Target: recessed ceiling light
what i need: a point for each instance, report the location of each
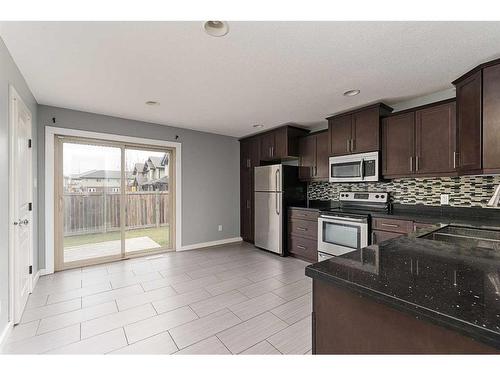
(352, 93)
(152, 102)
(216, 28)
(258, 126)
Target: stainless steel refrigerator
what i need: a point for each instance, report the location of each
(276, 188)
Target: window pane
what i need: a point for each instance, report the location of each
(147, 200)
(91, 205)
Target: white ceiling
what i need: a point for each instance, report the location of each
(261, 72)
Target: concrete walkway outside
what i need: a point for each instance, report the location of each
(107, 248)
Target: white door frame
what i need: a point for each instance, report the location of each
(50, 133)
(15, 98)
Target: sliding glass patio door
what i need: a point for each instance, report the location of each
(113, 200)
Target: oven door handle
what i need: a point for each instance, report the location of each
(340, 218)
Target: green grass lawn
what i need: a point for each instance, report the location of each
(160, 235)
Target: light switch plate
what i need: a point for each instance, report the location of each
(445, 199)
(220, 227)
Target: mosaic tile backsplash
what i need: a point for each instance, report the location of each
(465, 191)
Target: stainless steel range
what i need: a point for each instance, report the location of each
(346, 228)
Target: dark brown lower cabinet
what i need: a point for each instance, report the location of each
(345, 322)
(379, 236)
(384, 229)
(303, 234)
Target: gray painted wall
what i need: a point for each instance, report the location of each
(10, 74)
(210, 171)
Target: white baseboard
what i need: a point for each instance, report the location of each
(35, 279)
(44, 272)
(4, 334)
(211, 243)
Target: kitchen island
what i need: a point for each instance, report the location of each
(408, 295)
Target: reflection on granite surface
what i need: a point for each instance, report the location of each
(458, 284)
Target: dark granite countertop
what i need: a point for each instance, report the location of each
(452, 285)
(316, 205)
(475, 217)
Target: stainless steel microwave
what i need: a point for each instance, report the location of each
(354, 168)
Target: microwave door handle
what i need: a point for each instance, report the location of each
(361, 167)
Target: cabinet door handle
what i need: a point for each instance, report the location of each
(302, 229)
(373, 238)
(315, 170)
(248, 163)
(454, 160)
(301, 247)
(417, 158)
(348, 145)
(352, 145)
(411, 163)
(390, 225)
(248, 203)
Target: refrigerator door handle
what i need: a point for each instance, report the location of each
(277, 205)
(277, 178)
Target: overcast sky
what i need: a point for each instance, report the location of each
(78, 158)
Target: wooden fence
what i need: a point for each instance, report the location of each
(100, 212)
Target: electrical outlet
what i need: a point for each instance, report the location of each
(220, 227)
(445, 199)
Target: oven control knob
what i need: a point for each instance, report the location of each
(376, 196)
(382, 196)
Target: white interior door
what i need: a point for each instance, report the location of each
(21, 197)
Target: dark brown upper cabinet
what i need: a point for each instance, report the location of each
(435, 151)
(268, 146)
(307, 158)
(478, 119)
(340, 129)
(314, 151)
(491, 119)
(356, 131)
(420, 142)
(398, 145)
(281, 143)
(469, 119)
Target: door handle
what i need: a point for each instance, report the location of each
(455, 160)
(302, 229)
(416, 162)
(361, 167)
(277, 205)
(411, 163)
(301, 247)
(348, 145)
(373, 238)
(352, 145)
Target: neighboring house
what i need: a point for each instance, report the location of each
(96, 181)
(151, 175)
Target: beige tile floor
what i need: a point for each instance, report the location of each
(232, 299)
